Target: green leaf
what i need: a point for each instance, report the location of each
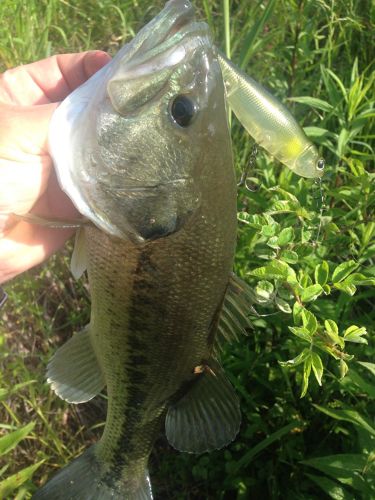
(344, 461)
(286, 194)
(311, 293)
(10, 440)
(313, 102)
(297, 312)
(364, 386)
(345, 468)
(309, 321)
(343, 270)
(317, 367)
(302, 333)
(342, 142)
(285, 236)
(289, 256)
(356, 167)
(343, 368)
(346, 288)
(276, 269)
(305, 235)
(368, 366)
(318, 133)
(10, 484)
(283, 305)
(321, 273)
(252, 220)
(354, 334)
(306, 374)
(349, 416)
(273, 242)
(359, 279)
(331, 227)
(297, 360)
(269, 230)
(331, 488)
(332, 331)
(264, 292)
(331, 328)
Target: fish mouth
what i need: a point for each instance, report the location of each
(173, 35)
(183, 17)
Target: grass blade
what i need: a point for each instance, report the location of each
(248, 43)
(10, 440)
(10, 484)
(248, 457)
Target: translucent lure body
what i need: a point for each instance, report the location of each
(269, 122)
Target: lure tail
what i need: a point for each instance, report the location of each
(87, 478)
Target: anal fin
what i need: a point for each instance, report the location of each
(74, 372)
(208, 416)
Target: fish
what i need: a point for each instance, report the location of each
(143, 150)
(269, 122)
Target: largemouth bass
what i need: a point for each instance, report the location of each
(144, 151)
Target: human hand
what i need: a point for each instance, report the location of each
(28, 96)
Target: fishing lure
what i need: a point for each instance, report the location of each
(269, 122)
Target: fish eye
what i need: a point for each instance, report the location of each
(320, 164)
(182, 110)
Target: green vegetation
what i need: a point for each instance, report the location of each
(308, 251)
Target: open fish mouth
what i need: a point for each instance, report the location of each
(174, 34)
(183, 17)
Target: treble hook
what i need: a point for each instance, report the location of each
(244, 181)
(3, 297)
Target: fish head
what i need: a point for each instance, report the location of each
(308, 163)
(127, 145)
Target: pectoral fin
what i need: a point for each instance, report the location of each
(78, 264)
(208, 416)
(74, 372)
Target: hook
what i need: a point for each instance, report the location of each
(244, 180)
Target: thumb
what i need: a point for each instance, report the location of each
(25, 164)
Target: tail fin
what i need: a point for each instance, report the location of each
(83, 479)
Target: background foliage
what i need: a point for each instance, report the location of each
(307, 250)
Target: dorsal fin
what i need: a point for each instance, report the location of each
(234, 318)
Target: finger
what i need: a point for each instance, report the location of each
(27, 245)
(51, 79)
